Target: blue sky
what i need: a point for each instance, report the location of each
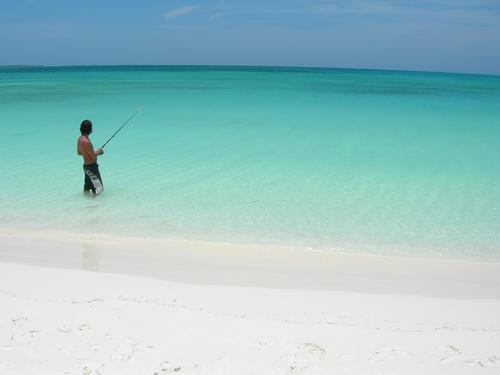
(439, 35)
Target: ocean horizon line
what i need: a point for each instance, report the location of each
(221, 67)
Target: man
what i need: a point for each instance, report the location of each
(93, 181)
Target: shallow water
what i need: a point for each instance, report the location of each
(345, 160)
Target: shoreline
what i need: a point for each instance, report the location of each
(253, 265)
(108, 237)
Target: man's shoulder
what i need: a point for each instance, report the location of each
(83, 139)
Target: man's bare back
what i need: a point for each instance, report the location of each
(86, 149)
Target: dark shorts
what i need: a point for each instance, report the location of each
(93, 179)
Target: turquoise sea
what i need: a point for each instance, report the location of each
(360, 161)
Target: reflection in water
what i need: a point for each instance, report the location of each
(90, 257)
(93, 213)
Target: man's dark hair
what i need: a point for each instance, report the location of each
(86, 127)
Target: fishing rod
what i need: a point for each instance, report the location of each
(121, 127)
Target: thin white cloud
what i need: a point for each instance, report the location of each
(176, 13)
(217, 16)
(482, 13)
(392, 6)
(354, 7)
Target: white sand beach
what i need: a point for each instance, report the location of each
(76, 304)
